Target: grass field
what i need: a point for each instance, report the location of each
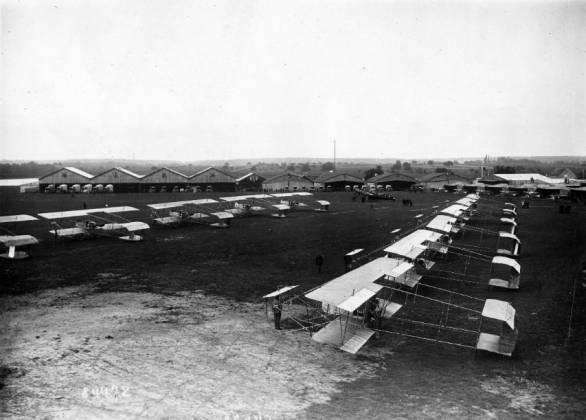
(174, 326)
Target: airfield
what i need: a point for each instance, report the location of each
(175, 326)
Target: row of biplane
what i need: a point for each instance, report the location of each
(109, 221)
(399, 292)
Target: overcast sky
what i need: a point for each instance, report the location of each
(193, 80)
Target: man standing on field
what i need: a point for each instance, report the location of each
(277, 310)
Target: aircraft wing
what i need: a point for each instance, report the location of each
(17, 218)
(18, 240)
(64, 214)
(245, 197)
(173, 204)
(292, 194)
(85, 212)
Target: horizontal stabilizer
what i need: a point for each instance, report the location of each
(496, 344)
(17, 218)
(279, 292)
(357, 341)
(135, 226)
(223, 215)
(500, 310)
(169, 220)
(281, 207)
(198, 216)
(18, 240)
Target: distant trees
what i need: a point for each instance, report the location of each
(448, 163)
(406, 166)
(397, 166)
(305, 167)
(502, 169)
(430, 162)
(27, 170)
(372, 172)
(328, 166)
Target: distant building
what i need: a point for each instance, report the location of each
(164, 179)
(121, 179)
(288, 182)
(567, 173)
(213, 179)
(19, 185)
(68, 176)
(336, 181)
(396, 180)
(443, 180)
(249, 182)
(517, 179)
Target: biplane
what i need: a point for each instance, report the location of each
(248, 205)
(298, 200)
(96, 222)
(201, 211)
(12, 241)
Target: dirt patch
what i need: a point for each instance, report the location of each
(140, 354)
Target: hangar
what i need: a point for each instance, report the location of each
(68, 176)
(337, 181)
(396, 180)
(249, 182)
(213, 179)
(443, 180)
(288, 181)
(164, 179)
(121, 179)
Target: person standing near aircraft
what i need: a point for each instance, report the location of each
(277, 310)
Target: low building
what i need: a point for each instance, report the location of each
(443, 180)
(213, 179)
(19, 185)
(532, 178)
(396, 180)
(249, 182)
(68, 176)
(287, 182)
(337, 181)
(121, 179)
(164, 179)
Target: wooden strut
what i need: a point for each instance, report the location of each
(434, 300)
(424, 338)
(431, 324)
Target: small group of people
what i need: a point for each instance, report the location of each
(407, 202)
